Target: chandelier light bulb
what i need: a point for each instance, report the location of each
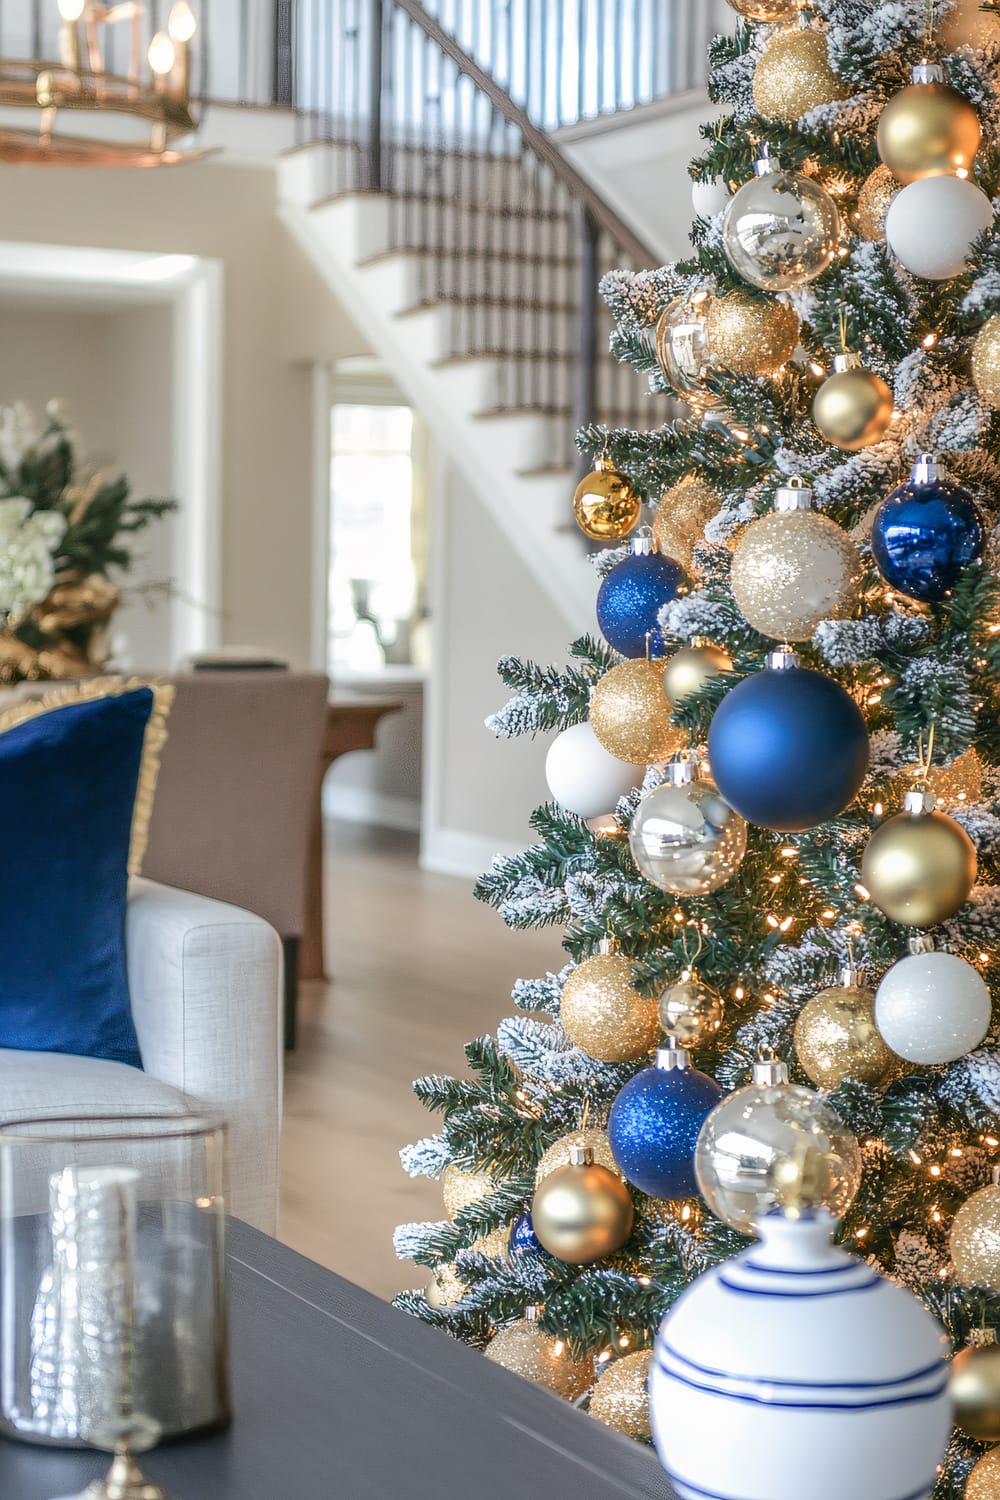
(72, 10)
(161, 54)
(181, 23)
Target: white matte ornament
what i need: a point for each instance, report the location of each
(709, 197)
(932, 1008)
(931, 225)
(583, 778)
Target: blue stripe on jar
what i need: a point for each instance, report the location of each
(833, 1291)
(813, 1385)
(751, 1265)
(839, 1406)
(695, 1489)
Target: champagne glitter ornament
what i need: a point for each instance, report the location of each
(836, 1036)
(752, 336)
(793, 568)
(692, 667)
(984, 1481)
(960, 781)
(766, 11)
(445, 1288)
(974, 1241)
(683, 512)
(877, 192)
(630, 714)
(920, 866)
(558, 1154)
(461, 1187)
(794, 76)
(605, 505)
(691, 1011)
(928, 129)
(685, 838)
(965, 24)
(582, 1212)
(986, 360)
(619, 1398)
(683, 351)
(975, 1387)
(852, 408)
(781, 230)
(524, 1349)
(603, 1013)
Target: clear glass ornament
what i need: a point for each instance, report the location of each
(685, 838)
(781, 230)
(682, 349)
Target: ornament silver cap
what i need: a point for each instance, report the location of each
(581, 1156)
(766, 163)
(782, 659)
(672, 1056)
(849, 977)
(642, 543)
(995, 1176)
(918, 803)
(795, 495)
(769, 1071)
(927, 72)
(608, 945)
(679, 771)
(921, 942)
(532, 1312)
(927, 470)
(846, 361)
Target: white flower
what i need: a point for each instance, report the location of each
(19, 432)
(28, 543)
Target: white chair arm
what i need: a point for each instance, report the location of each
(205, 983)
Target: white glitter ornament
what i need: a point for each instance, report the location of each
(932, 1007)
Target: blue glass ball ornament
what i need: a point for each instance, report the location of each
(631, 597)
(926, 532)
(788, 747)
(523, 1239)
(655, 1121)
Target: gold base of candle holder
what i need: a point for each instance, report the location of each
(123, 1481)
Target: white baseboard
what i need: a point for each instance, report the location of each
(357, 804)
(449, 851)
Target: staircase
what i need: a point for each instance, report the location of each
(469, 250)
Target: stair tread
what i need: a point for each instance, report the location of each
(519, 304)
(507, 356)
(452, 252)
(602, 418)
(498, 209)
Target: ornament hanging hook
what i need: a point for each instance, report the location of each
(842, 324)
(925, 758)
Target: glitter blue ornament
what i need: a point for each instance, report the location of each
(523, 1239)
(631, 597)
(926, 532)
(655, 1121)
(788, 747)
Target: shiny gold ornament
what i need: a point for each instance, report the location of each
(984, 1481)
(619, 1398)
(975, 1388)
(605, 505)
(460, 1187)
(751, 335)
(690, 1010)
(603, 1013)
(966, 24)
(928, 129)
(877, 192)
(683, 512)
(444, 1288)
(794, 76)
(582, 1212)
(793, 568)
(836, 1037)
(975, 1238)
(920, 866)
(558, 1155)
(766, 11)
(986, 361)
(525, 1350)
(630, 715)
(852, 408)
(692, 667)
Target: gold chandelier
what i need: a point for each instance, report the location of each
(90, 115)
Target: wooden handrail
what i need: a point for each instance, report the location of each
(541, 144)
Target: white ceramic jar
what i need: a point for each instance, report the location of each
(795, 1369)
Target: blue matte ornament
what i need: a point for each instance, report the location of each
(655, 1122)
(926, 532)
(523, 1239)
(788, 747)
(631, 597)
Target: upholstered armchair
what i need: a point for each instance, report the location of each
(205, 985)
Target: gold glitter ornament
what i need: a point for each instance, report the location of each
(928, 129)
(461, 1187)
(965, 24)
(690, 1010)
(974, 1386)
(986, 361)
(493, 1244)
(605, 505)
(603, 1013)
(751, 335)
(692, 667)
(525, 1350)
(852, 408)
(984, 1481)
(975, 1238)
(630, 715)
(836, 1036)
(619, 1398)
(682, 349)
(794, 76)
(766, 11)
(444, 1288)
(877, 192)
(793, 568)
(919, 867)
(558, 1154)
(681, 517)
(582, 1212)
(959, 782)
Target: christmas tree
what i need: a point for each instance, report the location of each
(813, 911)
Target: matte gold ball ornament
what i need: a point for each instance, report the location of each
(558, 1154)
(619, 1398)
(986, 361)
(630, 715)
(683, 512)
(691, 1011)
(974, 1385)
(524, 1349)
(928, 129)
(852, 408)
(751, 335)
(794, 76)
(920, 866)
(460, 1187)
(877, 192)
(691, 668)
(984, 1481)
(582, 1212)
(836, 1036)
(605, 505)
(974, 1241)
(603, 1013)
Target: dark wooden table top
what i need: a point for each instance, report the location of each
(337, 1396)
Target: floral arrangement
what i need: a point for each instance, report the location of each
(62, 534)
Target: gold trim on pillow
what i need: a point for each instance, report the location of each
(86, 690)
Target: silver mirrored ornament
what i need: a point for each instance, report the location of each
(685, 838)
(682, 349)
(781, 230)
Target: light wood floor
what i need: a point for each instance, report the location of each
(418, 968)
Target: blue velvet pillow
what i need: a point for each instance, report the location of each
(67, 787)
